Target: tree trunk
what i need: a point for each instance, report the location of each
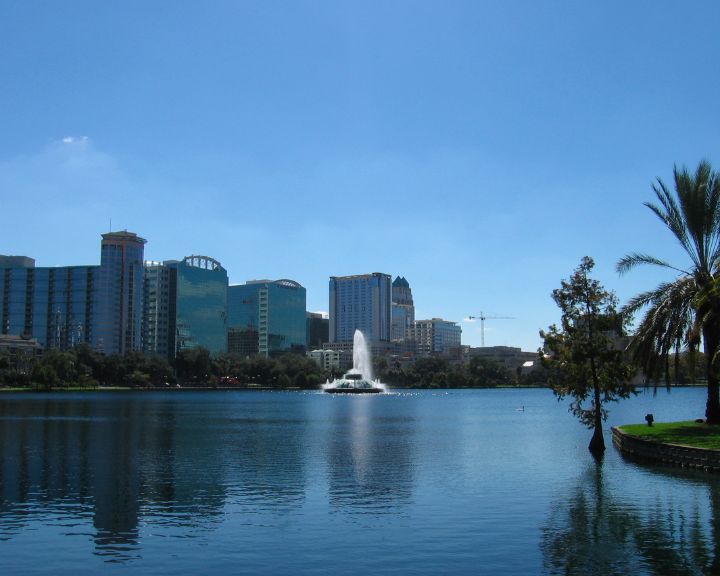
(711, 337)
(597, 443)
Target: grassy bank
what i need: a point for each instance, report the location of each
(697, 435)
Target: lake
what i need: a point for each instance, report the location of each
(421, 482)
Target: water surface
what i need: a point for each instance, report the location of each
(448, 482)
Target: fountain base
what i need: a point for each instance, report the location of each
(353, 383)
(353, 390)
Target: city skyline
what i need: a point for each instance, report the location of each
(479, 150)
(128, 304)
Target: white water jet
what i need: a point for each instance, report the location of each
(360, 378)
(362, 361)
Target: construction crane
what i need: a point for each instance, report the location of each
(482, 319)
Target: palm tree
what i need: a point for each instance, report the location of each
(681, 313)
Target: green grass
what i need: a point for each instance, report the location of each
(689, 433)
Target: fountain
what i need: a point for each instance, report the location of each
(359, 379)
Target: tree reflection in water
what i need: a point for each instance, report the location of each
(596, 531)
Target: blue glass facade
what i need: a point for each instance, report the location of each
(436, 336)
(120, 293)
(243, 307)
(56, 306)
(274, 310)
(157, 336)
(201, 286)
(403, 310)
(447, 336)
(318, 330)
(362, 302)
(285, 316)
(243, 318)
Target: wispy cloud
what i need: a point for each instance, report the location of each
(75, 140)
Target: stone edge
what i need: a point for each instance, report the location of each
(669, 454)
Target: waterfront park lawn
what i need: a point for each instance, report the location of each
(690, 433)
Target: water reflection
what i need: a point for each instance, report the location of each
(370, 457)
(600, 530)
(126, 461)
(111, 461)
(287, 483)
(269, 458)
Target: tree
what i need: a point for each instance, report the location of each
(45, 375)
(484, 372)
(193, 364)
(429, 372)
(681, 312)
(584, 357)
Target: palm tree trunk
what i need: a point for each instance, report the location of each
(711, 337)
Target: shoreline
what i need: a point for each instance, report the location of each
(656, 452)
(250, 388)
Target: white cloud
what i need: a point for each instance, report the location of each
(75, 140)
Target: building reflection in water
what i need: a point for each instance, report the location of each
(166, 462)
(112, 461)
(596, 530)
(369, 456)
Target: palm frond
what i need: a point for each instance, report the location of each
(676, 314)
(629, 262)
(669, 322)
(671, 214)
(665, 292)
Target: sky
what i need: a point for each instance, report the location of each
(480, 149)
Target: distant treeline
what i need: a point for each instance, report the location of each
(83, 367)
(436, 372)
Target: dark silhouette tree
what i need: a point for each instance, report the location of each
(584, 354)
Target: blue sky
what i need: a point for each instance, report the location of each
(480, 149)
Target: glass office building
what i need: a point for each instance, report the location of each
(157, 337)
(56, 306)
(403, 309)
(185, 306)
(362, 302)
(318, 329)
(266, 317)
(201, 285)
(120, 293)
(436, 337)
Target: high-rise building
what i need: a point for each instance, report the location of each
(362, 302)
(318, 329)
(403, 309)
(436, 336)
(17, 262)
(120, 293)
(200, 304)
(158, 335)
(56, 306)
(266, 317)
(185, 306)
